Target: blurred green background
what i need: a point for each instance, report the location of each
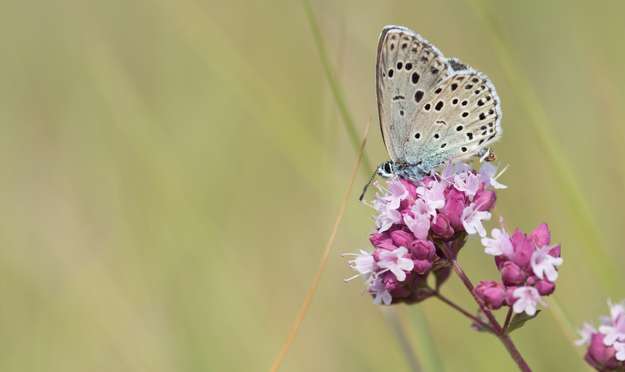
(170, 171)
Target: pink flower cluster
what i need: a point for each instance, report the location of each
(606, 345)
(413, 219)
(528, 265)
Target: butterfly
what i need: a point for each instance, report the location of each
(432, 110)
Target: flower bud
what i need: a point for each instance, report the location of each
(441, 227)
(511, 274)
(545, 287)
(421, 267)
(401, 238)
(381, 240)
(491, 292)
(541, 236)
(454, 205)
(422, 249)
(523, 249)
(485, 200)
(599, 356)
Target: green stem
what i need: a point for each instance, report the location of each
(335, 86)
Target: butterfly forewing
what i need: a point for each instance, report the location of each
(431, 109)
(408, 67)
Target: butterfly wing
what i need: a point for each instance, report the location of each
(407, 69)
(462, 117)
(448, 112)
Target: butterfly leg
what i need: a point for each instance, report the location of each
(364, 189)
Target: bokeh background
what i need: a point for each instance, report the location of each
(170, 171)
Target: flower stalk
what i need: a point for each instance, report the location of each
(495, 327)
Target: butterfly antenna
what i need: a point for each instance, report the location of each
(364, 189)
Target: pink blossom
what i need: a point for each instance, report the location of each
(396, 262)
(380, 293)
(468, 182)
(488, 175)
(614, 328)
(387, 216)
(544, 265)
(433, 196)
(585, 334)
(472, 220)
(418, 225)
(364, 264)
(527, 298)
(396, 193)
(499, 244)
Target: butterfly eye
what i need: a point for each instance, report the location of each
(387, 168)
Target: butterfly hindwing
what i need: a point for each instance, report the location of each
(461, 118)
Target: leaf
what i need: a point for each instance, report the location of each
(519, 320)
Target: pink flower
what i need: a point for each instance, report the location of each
(380, 293)
(606, 350)
(396, 262)
(387, 216)
(419, 225)
(364, 264)
(585, 333)
(499, 244)
(488, 175)
(614, 328)
(433, 196)
(526, 300)
(472, 220)
(396, 193)
(468, 183)
(544, 265)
